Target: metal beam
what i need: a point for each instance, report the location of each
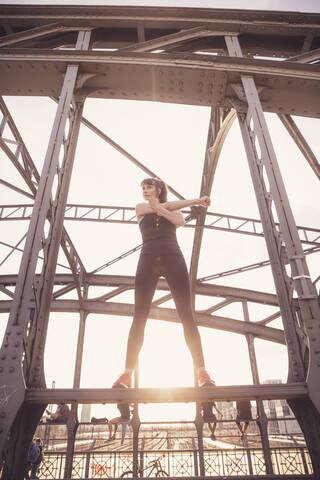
(128, 281)
(119, 214)
(171, 39)
(13, 248)
(33, 33)
(22, 350)
(300, 315)
(22, 160)
(164, 40)
(301, 142)
(16, 189)
(158, 77)
(241, 66)
(40, 257)
(167, 395)
(126, 154)
(165, 314)
(247, 268)
(251, 21)
(306, 57)
(216, 136)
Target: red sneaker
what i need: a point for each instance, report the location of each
(123, 381)
(204, 379)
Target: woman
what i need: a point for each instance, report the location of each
(161, 256)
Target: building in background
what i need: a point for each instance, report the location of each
(278, 410)
(85, 413)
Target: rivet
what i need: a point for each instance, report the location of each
(3, 356)
(2, 414)
(14, 357)
(1, 369)
(17, 344)
(11, 369)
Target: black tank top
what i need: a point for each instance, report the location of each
(159, 236)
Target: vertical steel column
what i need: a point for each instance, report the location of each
(135, 422)
(199, 428)
(195, 457)
(199, 423)
(262, 422)
(73, 422)
(303, 340)
(22, 351)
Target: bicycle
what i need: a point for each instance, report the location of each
(153, 465)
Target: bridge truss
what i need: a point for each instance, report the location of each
(251, 62)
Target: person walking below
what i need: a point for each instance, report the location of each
(34, 459)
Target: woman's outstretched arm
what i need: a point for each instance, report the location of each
(178, 204)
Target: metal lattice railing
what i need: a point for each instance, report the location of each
(179, 463)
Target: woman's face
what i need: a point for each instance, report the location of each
(149, 191)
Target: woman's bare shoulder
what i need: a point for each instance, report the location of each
(142, 209)
(141, 205)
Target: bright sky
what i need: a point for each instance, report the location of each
(170, 140)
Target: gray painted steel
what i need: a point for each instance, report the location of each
(34, 61)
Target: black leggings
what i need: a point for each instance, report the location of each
(174, 269)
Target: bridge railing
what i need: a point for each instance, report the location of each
(179, 463)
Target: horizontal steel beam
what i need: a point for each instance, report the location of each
(189, 61)
(251, 21)
(286, 87)
(128, 281)
(166, 314)
(127, 215)
(168, 395)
